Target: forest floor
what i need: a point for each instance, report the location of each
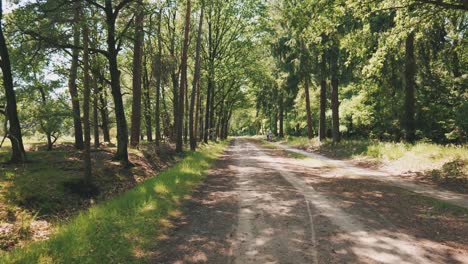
(37, 196)
(262, 204)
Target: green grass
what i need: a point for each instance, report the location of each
(39, 184)
(121, 230)
(288, 153)
(441, 207)
(445, 164)
(380, 150)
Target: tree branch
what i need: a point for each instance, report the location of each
(462, 6)
(120, 6)
(96, 4)
(55, 43)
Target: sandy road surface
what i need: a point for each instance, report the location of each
(258, 206)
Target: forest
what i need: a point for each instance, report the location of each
(113, 82)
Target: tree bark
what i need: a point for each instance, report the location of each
(14, 131)
(96, 113)
(206, 130)
(121, 122)
(281, 116)
(86, 103)
(137, 76)
(78, 130)
(195, 88)
(310, 133)
(220, 119)
(104, 114)
(275, 121)
(335, 104)
(323, 93)
(186, 112)
(48, 133)
(200, 117)
(147, 103)
(175, 81)
(157, 107)
(410, 72)
(183, 80)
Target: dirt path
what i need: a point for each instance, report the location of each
(258, 206)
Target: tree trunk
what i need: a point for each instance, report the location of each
(50, 145)
(175, 80)
(208, 111)
(335, 104)
(210, 86)
(195, 88)
(14, 131)
(121, 122)
(281, 115)
(186, 112)
(96, 113)
(410, 71)
(137, 67)
(275, 122)
(226, 124)
(200, 117)
(157, 107)
(220, 120)
(72, 82)
(104, 114)
(212, 106)
(86, 103)
(183, 81)
(44, 128)
(323, 94)
(310, 133)
(147, 104)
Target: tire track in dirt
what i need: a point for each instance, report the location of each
(258, 207)
(274, 225)
(369, 246)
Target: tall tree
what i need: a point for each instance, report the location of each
(410, 71)
(309, 112)
(334, 55)
(14, 129)
(281, 112)
(72, 87)
(96, 112)
(113, 47)
(183, 80)
(323, 91)
(137, 75)
(158, 71)
(195, 86)
(86, 103)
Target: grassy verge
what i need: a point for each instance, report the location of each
(121, 230)
(287, 153)
(37, 196)
(377, 149)
(442, 164)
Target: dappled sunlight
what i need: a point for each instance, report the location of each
(161, 188)
(345, 169)
(358, 211)
(131, 221)
(390, 247)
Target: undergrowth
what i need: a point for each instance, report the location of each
(123, 229)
